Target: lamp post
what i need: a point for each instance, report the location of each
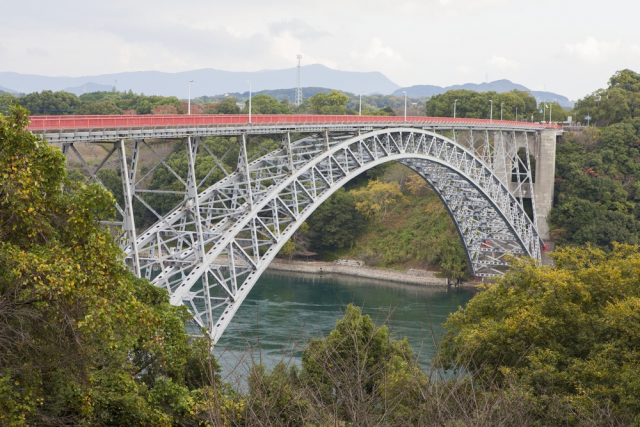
(249, 100)
(550, 108)
(543, 112)
(360, 107)
(455, 101)
(491, 112)
(405, 105)
(516, 114)
(189, 103)
(501, 105)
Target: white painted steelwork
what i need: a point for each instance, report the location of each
(209, 250)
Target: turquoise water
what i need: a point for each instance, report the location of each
(283, 311)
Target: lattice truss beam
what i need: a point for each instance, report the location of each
(211, 247)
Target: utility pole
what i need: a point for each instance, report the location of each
(491, 113)
(405, 105)
(249, 100)
(299, 83)
(189, 105)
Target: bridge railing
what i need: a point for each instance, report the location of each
(42, 123)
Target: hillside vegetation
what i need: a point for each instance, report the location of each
(597, 190)
(389, 218)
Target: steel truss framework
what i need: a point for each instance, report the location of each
(210, 249)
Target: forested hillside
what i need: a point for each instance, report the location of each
(598, 169)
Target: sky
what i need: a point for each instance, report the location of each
(570, 47)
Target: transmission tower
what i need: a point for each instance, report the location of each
(299, 85)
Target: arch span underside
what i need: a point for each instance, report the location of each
(209, 251)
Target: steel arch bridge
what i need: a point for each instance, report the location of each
(210, 248)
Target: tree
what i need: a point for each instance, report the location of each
(50, 103)
(228, 106)
(358, 372)
(84, 342)
(596, 190)
(569, 333)
(620, 101)
(336, 223)
(471, 104)
(374, 201)
(165, 109)
(102, 108)
(264, 104)
(6, 101)
(329, 103)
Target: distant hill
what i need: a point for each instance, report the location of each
(88, 88)
(7, 90)
(206, 81)
(277, 83)
(279, 94)
(499, 86)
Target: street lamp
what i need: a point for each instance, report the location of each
(501, 105)
(405, 105)
(550, 108)
(249, 100)
(454, 108)
(491, 112)
(360, 107)
(189, 105)
(516, 114)
(543, 113)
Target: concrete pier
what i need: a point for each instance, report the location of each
(545, 155)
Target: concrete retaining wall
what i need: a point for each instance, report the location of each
(425, 278)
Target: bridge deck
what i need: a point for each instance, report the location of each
(105, 128)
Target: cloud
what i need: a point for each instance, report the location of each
(591, 50)
(37, 52)
(503, 63)
(377, 51)
(296, 28)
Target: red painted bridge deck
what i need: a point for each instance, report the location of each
(57, 123)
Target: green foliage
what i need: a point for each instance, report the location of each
(374, 201)
(6, 101)
(275, 397)
(597, 172)
(50, 103)
(99, 108)
(336, 223)
(330, 103)
(356, 359)
(84, 341)
(473, 104)
(571, 331)
(620, 101)
(228, 106)
(264, 104)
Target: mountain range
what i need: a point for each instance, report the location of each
(499, 86)
(208, 82)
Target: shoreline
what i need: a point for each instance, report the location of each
(412, 277)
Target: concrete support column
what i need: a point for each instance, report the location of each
(544, 180)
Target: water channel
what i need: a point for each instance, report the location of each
(286, 309)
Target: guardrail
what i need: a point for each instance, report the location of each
(56, 123)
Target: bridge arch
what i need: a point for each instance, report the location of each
(228, 234)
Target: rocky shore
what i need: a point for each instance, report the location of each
(412, 276)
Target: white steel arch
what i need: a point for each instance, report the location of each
(209, 251)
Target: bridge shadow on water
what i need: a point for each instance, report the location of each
(285, 310)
